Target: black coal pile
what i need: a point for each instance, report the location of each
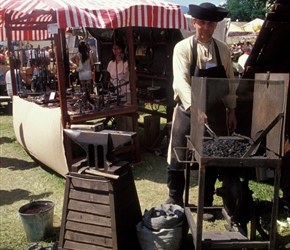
(225, 148)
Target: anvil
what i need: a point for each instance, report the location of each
(99, 146)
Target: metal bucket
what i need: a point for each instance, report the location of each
(37, 219)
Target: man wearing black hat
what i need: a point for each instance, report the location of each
(202, 56)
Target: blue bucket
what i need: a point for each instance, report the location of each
(37, 219)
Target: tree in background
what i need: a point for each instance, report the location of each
(247, 10)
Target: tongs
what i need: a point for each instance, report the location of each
(211, 133)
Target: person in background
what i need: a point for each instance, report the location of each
(32, 73)
(3, 70)
(118, 69)
(249, 44)
(242, 60)
(202, 56)
(26, 55)
(19, 77)
(2, 55)
(84, 62)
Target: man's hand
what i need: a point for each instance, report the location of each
(202, 117)
(232, 121)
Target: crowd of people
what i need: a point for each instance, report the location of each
(33, 69)
(239, 54)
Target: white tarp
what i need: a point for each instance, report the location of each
(40, 132)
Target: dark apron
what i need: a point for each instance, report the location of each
(215, 108)
(215, 111)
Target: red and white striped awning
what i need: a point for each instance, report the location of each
(93, 14)
(117, 14)
(25, 14)
(24, 35)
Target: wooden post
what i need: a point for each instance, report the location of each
(151, 129)
(62, 82)
(10, 53)
(133, 80)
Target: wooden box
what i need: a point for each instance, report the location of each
(100, 213)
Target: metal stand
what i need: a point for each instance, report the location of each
(236, 237)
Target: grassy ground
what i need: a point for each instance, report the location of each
(23, 180)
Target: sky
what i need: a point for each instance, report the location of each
(197, 2)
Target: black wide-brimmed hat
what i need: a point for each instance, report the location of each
(208, 11)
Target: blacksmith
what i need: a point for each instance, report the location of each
(202, 56)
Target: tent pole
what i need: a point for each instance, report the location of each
(10, 53)
(62, 76)
(133, 80)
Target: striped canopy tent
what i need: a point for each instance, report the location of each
(118, 14)
(29, 18)
(34, 15)
(101, 14)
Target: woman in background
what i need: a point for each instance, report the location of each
(84, 62)
(119, 78)
(119, 71)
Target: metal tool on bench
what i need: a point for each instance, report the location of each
(89, 170)
(211, 132)
(99, 148)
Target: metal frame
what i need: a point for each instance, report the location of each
(235, 238)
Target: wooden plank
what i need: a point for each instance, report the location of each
(88, 218)
(90, 229)
(281, 7)
(232, 227)
(281, 17)
(235, 245)
(126, 186)
(100, 197)
(95, 185)
(126, 110)
(64, 211)
(88, 238)
(80, 246)
(92, 208)
(151, 129)
(223, 236)
(265, 97)
(191, 223)
(280, 25)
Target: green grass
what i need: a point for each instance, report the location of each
(23, 180)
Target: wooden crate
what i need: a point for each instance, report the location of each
(100, 213)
